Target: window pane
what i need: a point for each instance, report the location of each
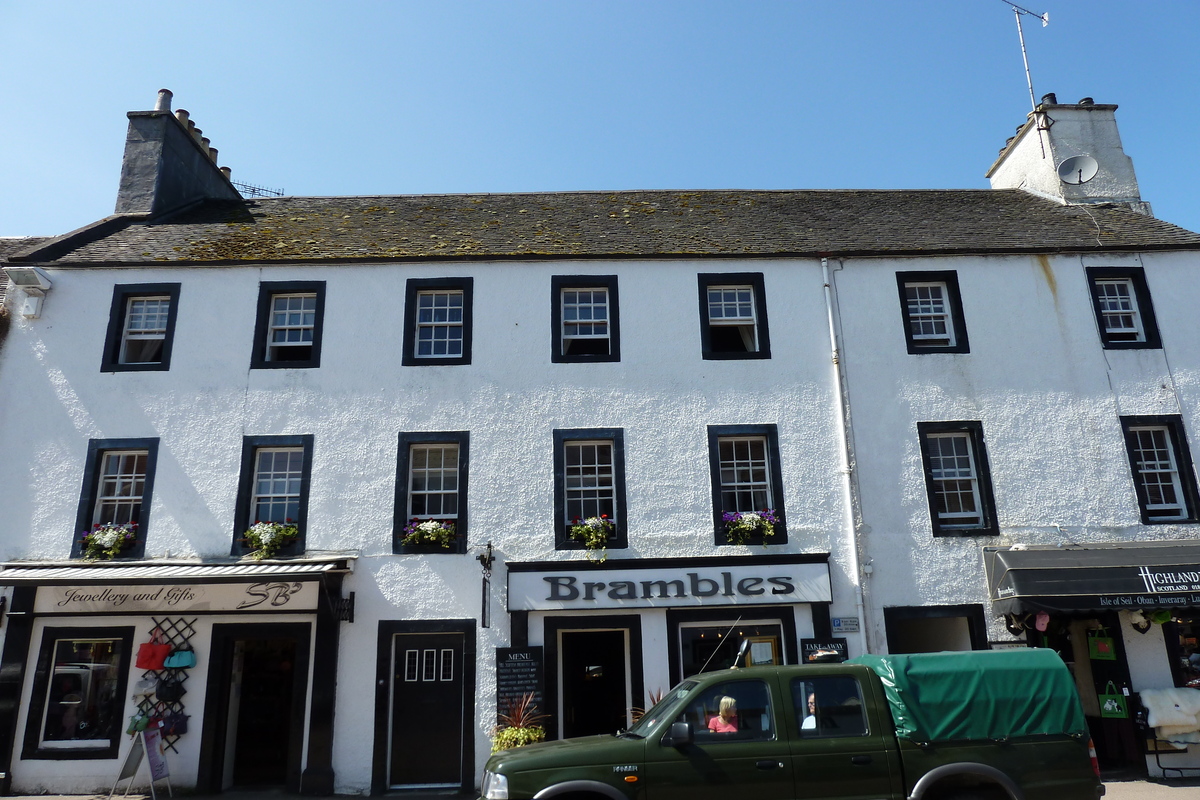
(439, 324)
(955, 481)
(929, 317)
(733, 325)
(83, 702)
(1157, 473)
(585, 322)
(145, 331)
(278, 475)
(290, 333)
(121, 486)
(588, 482)
(1119, 311)
(745, 474)
(433, 481)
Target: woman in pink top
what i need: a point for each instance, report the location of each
(726, 719)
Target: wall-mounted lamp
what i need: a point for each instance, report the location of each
(34, 284)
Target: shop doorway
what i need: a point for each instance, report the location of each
(594, 673)
(427, 710)
(254, 710)
(595, 682)
(932, 629)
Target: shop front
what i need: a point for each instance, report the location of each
(1126, 619)
(609, 638)
(236, 661)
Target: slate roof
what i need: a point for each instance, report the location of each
(637, 224)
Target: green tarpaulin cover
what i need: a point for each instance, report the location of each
(984, 694)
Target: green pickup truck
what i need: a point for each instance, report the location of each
(1003, 725)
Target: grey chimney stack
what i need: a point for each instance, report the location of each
(168, 164)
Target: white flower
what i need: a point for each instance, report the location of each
(751, 519)
(107, 537)
(430, 527)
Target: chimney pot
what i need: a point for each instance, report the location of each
(196, 133)
(183, 116)
(1087, 101)
(212, 153)
(227, 172)
(205, 142)
(164, 100)
(1050, 99)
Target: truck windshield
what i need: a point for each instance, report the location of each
(662, 708)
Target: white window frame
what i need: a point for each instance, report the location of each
(573, 325)
(1158, 474)
(588, 485)
(736, 468)
(274, 498)
(1117, 306)
(931, 312)
(434, 318)
(136, 331)
(746, 323)
(943, 475)
(281, 333)
(122, 490)
(441, 474)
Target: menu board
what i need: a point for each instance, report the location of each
(519, 672)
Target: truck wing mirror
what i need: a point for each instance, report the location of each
(680, 735)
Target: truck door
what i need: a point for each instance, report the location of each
(836, 751)
(738, 753)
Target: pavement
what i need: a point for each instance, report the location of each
(1170, 789)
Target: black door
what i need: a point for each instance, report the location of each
(426, 711)
(595, 695)
(254, 708)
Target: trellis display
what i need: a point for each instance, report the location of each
(178, 633)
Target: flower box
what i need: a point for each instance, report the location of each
(430, 536)
(594, 533)
(750, 526)
(266, 539)
(106, 540)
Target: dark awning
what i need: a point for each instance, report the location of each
(1094, 577)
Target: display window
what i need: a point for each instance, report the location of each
(709, 646)
(79, 693)
(1183, 647)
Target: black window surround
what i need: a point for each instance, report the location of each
(267, 291)
(710, 344)
(241, 521)
(1183, 464)
(91, 487)
(953, 300)
(400, 516)
(987, 526)
(771, 434)
(561, 283)
(1145, 308)
(114, 338)
(562, 526)
(106, 749)
(413, 287)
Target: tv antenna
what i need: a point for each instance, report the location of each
(1045, 18)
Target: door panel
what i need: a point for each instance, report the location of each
(426, 710)
(747, 758)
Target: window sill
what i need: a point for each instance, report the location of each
(455, 549)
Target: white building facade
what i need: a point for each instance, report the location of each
(911, 383)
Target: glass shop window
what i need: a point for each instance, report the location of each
(709, 646)
(1183, 645)
(84, 700)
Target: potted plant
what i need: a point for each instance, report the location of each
(594, 532)
(518, 724)
(740, 528)
(106, 539)
(266, 538)
(439, 532)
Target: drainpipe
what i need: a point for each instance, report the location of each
(841, 414)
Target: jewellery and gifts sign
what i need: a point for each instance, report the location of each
(695, 584)
(178, 598)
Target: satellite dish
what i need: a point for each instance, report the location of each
(1078, 169)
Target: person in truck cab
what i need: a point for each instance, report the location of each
(725, 720)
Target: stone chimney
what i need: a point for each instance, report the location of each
(167, 163)
(1071, 154)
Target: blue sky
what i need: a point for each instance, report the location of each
(445, 96)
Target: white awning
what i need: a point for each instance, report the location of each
(12, 574)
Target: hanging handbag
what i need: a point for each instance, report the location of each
(181, 658)
(137, 723)
(1113, 704)
(152, 654)
(1100, 647)
(168, 690)
(174, 724)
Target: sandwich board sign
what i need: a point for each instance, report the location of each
(147, 745)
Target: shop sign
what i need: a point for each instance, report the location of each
(177, 598)
(669, 587)
(823, 651)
